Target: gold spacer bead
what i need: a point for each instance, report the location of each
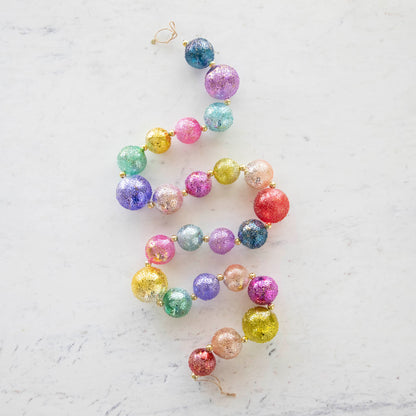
(209, 347)
(206, 238)
(174, 238)
(272, 185)
(204, 128)
(122, 175)
(244, 339)
(270, 306)
(171, 132)
(211, 64)
(150, 205)
(227, 102)
(220, 277)
(194, 297)
(237, 241)
(153, 41)
(147, 264)
(159, 302)
(185, 43)
(252, 275)
(210, 173)
(185, 192)
(194, 376)
(144, 147)
(242, 168)
(268, 225)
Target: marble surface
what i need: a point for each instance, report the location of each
(327, 96)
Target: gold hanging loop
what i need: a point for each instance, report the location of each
(171, 29)
(217, 382)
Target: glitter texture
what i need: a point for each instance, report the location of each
(190, 237)
(218, 117)
(188, 130)
(206, 286)
(262, 290)
(177, 302)
(271, 205)
(260, 324)
(226, 171)
(221, 240)
(160, 249)
(201, 362)
(198, 184)
(258, 174)
(131, 160)
(226, 343)
(168, 199)
(252, 233)
(222, 82)
(149, 283)
(133, 192)
(199, 53)
(236, 277)
(158, 140)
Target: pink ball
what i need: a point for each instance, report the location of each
(198, 184)
(160, 249)
(188, 130)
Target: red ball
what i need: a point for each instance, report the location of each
(271, 205)
(201, 362)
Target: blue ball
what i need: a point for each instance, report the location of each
(199, 53)
(133, 192)
(252, 233)
(218, 117)
(206, 286)
(190, 237)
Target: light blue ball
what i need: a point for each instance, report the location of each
(218, 117)
(190, 237)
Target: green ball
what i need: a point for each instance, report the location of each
(177, 302)
(131, 160)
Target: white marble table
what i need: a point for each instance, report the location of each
(327, 95)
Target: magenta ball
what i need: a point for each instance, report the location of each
(198, 184)
(222, 82)
(262, 290)
(221, 240)
(160, 249)
(188, 130)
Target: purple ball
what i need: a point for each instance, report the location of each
(206, 286)
(262, 290)
(198, 184)
(221, 240)
(133, 192)
(222, 82)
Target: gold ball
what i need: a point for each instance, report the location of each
(272, 185)
(150, 205)
(185, 43)
(149, 284)
(194, 297)
(159, 302)
(220, 277)
(144, 148)
(209, 347)
(227, 102)
(184, 193)
(268, 225)
(260, 324)
(174, 238)
(211, 64)
(206, 238)
(171, 132)
(226, 171)
(210, 173)
(244, 339)
(204, 128)
(237, 242)
(122, 175)
(252, 275)
(158, 140)
(194, 376)
(270, 306)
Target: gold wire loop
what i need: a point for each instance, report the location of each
(171, 29)
(217, 382)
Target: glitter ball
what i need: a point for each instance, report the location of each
(201, 362)
(260, 324)
(149, 283)
(177, 302)
(131, 160)
(262, 290)
(190, 237)
(206, 286)
(198, 184)
(222, 82)
(188, 130)
(221, 240)
(226, 171)
(258, 174)
(226, 343)
(218, 117)
(271, 205)
(236, 277)
(158, 140)
(133, 192)
(199, 53)
(252, 233)
(160, 249)
(167, 199)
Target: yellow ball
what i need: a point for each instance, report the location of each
(158, 140)
(260, 324)
(149, 284)
(226, 171)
